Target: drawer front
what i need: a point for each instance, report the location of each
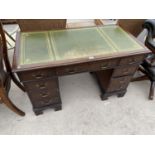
(46, 102)
(43, 92)
(41, 85)
(73, 69)
(36, 74)
(119, 83)
(131, 60)
(87, 67)
(124, 71)
(42, 102)
(102, 65)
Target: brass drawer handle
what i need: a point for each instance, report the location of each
(121, 87)
(104, 66)
(39, 76)
(71, 71)
(132, 61)
(126, 71)
(41, 86)
(44, 95)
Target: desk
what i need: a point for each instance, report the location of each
(107, 51)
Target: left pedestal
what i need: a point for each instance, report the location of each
(43, 91)
(44, 94)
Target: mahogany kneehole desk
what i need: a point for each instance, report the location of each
(108, 51)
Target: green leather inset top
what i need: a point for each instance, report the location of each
(79, 43)
(49, 46)
(121, 40)
(35, 48)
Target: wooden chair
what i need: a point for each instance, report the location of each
(6, 75)
(148, 66)
(9, 36)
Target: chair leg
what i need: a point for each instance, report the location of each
(141, 78)
(151, 94)
(17, 82)
(10, 105)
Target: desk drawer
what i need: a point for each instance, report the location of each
(42, 85)
(119, 83)
(46, 102)
(102, 65)
(43, 92)
(36, 74)
(87, 67)
(131, 60)
(124, 71)
(73, 69)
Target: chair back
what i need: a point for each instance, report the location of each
(133, 26)
(27, 25)
(5, 50)
(149, 24)
(3, 74)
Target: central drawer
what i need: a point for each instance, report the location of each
(87, 67)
